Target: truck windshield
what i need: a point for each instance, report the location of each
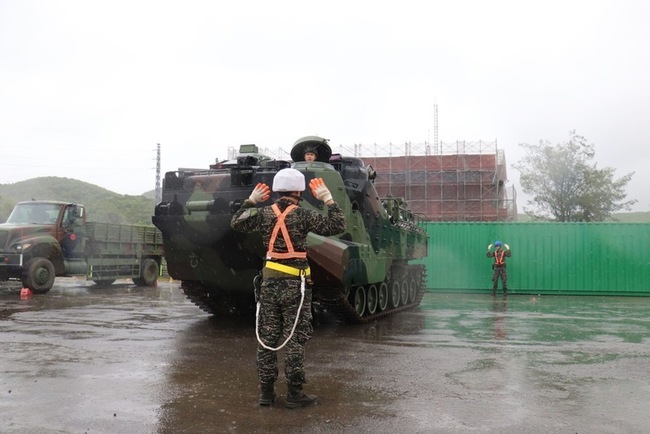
(37, 213)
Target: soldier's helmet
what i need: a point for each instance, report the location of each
(315, 144)
(289, 180)
(311, 149)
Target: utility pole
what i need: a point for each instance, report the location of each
(158, 190)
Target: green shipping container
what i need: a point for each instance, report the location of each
(547, 258)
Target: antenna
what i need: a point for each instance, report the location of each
(158, 191)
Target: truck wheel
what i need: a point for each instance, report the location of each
(148, 273)
(39, 275)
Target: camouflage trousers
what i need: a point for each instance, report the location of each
(279, 302)
(499, 272)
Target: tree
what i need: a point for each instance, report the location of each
(567, 186)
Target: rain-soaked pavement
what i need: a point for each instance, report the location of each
(123, 359)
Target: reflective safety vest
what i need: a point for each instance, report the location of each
(281, 226)
(498, 259)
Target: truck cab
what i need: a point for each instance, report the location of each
(45, 239)
(36, 240)
(64, 222)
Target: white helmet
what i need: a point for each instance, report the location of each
(289, 180)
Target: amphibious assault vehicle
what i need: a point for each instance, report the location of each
(360, 275)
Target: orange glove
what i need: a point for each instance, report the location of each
(260, 193)
(320, 190)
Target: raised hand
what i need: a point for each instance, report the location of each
(260, 193)
(320, 190)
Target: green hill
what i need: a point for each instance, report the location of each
(102, 205)
(109, 207)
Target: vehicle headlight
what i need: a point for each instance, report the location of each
(22, 247)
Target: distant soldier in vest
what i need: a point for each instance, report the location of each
(500, 253)
(284, 311)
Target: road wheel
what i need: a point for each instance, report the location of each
(148, 273)
(360, 300)
(404, 292)
(371, 299)
(39, 275)
(413, 290)
(394, 293)
(383, 296)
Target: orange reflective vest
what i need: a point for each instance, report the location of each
(280, 226)
(498, 259)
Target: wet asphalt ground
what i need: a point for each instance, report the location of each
(124, 359)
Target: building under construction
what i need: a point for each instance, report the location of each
(458, 181)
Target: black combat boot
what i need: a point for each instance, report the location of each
(267, 397)
(505, 292)
(494, 292)
(296, 398)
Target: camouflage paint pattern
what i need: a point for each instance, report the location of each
(217, 264)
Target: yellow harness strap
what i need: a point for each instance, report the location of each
(287, 269)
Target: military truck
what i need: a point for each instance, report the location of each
(360, 275)
(44, 239)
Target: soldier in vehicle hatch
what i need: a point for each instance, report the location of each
(311, 148)
(500, 253)
(284, 308)
(310, 155)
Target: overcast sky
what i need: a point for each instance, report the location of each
(88, 88)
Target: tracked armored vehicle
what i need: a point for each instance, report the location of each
(360, 275)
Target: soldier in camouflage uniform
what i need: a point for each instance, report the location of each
(500, 253)
(284, 227)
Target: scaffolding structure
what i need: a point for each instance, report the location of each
(446, 181)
